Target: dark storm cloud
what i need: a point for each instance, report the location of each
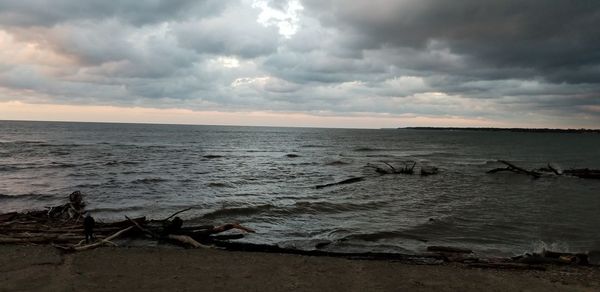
(49, 13)
(558, 40)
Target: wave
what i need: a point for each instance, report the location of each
(116, 209)
(8, 168)
(329, 207)
(337, 162)
(62, 165)
(558, 246)
(23, 142)
(476, 162)
(314, 146)
(297, 208)
(365, 149)
(115, 163)
(220, 185)
(149, 180)
(34, 166)
(437, 226)
(237, 211)
(377, 236)
(34, 196)
(60, 145)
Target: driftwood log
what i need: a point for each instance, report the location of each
(549, 169)
(514, 168)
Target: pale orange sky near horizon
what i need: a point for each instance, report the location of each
(16, 110)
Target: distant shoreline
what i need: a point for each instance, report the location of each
(528, 130)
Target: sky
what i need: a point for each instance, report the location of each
(318, 63)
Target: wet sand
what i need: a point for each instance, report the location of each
(43, 268)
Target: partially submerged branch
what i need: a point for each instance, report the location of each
(537, 173)
(407, 168)
(343, 182)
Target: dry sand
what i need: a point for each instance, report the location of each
(42, 268)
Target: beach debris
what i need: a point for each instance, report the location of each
(71, 210)
(550, 169)
(63, 228)
(343, 182)
(553, 257)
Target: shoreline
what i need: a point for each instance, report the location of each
(44, 268)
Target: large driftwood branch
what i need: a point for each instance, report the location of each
(176, 213)
(103, 241)
(142, 229)
(516, 169)
(393, 169)
(186, 241)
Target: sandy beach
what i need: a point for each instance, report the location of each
(43, 268)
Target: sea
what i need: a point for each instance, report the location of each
(266, 177)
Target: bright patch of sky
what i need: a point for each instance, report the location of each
(287, 21)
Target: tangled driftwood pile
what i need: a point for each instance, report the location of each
(408, 167)
(63, 227)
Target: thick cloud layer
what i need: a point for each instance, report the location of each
(526, 63)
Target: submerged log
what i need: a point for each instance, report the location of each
(584, 173)
(343, 182)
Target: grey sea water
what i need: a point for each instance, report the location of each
(266, 177)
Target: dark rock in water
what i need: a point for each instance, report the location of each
(429, 170)
(291, 155)
(212, 156)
